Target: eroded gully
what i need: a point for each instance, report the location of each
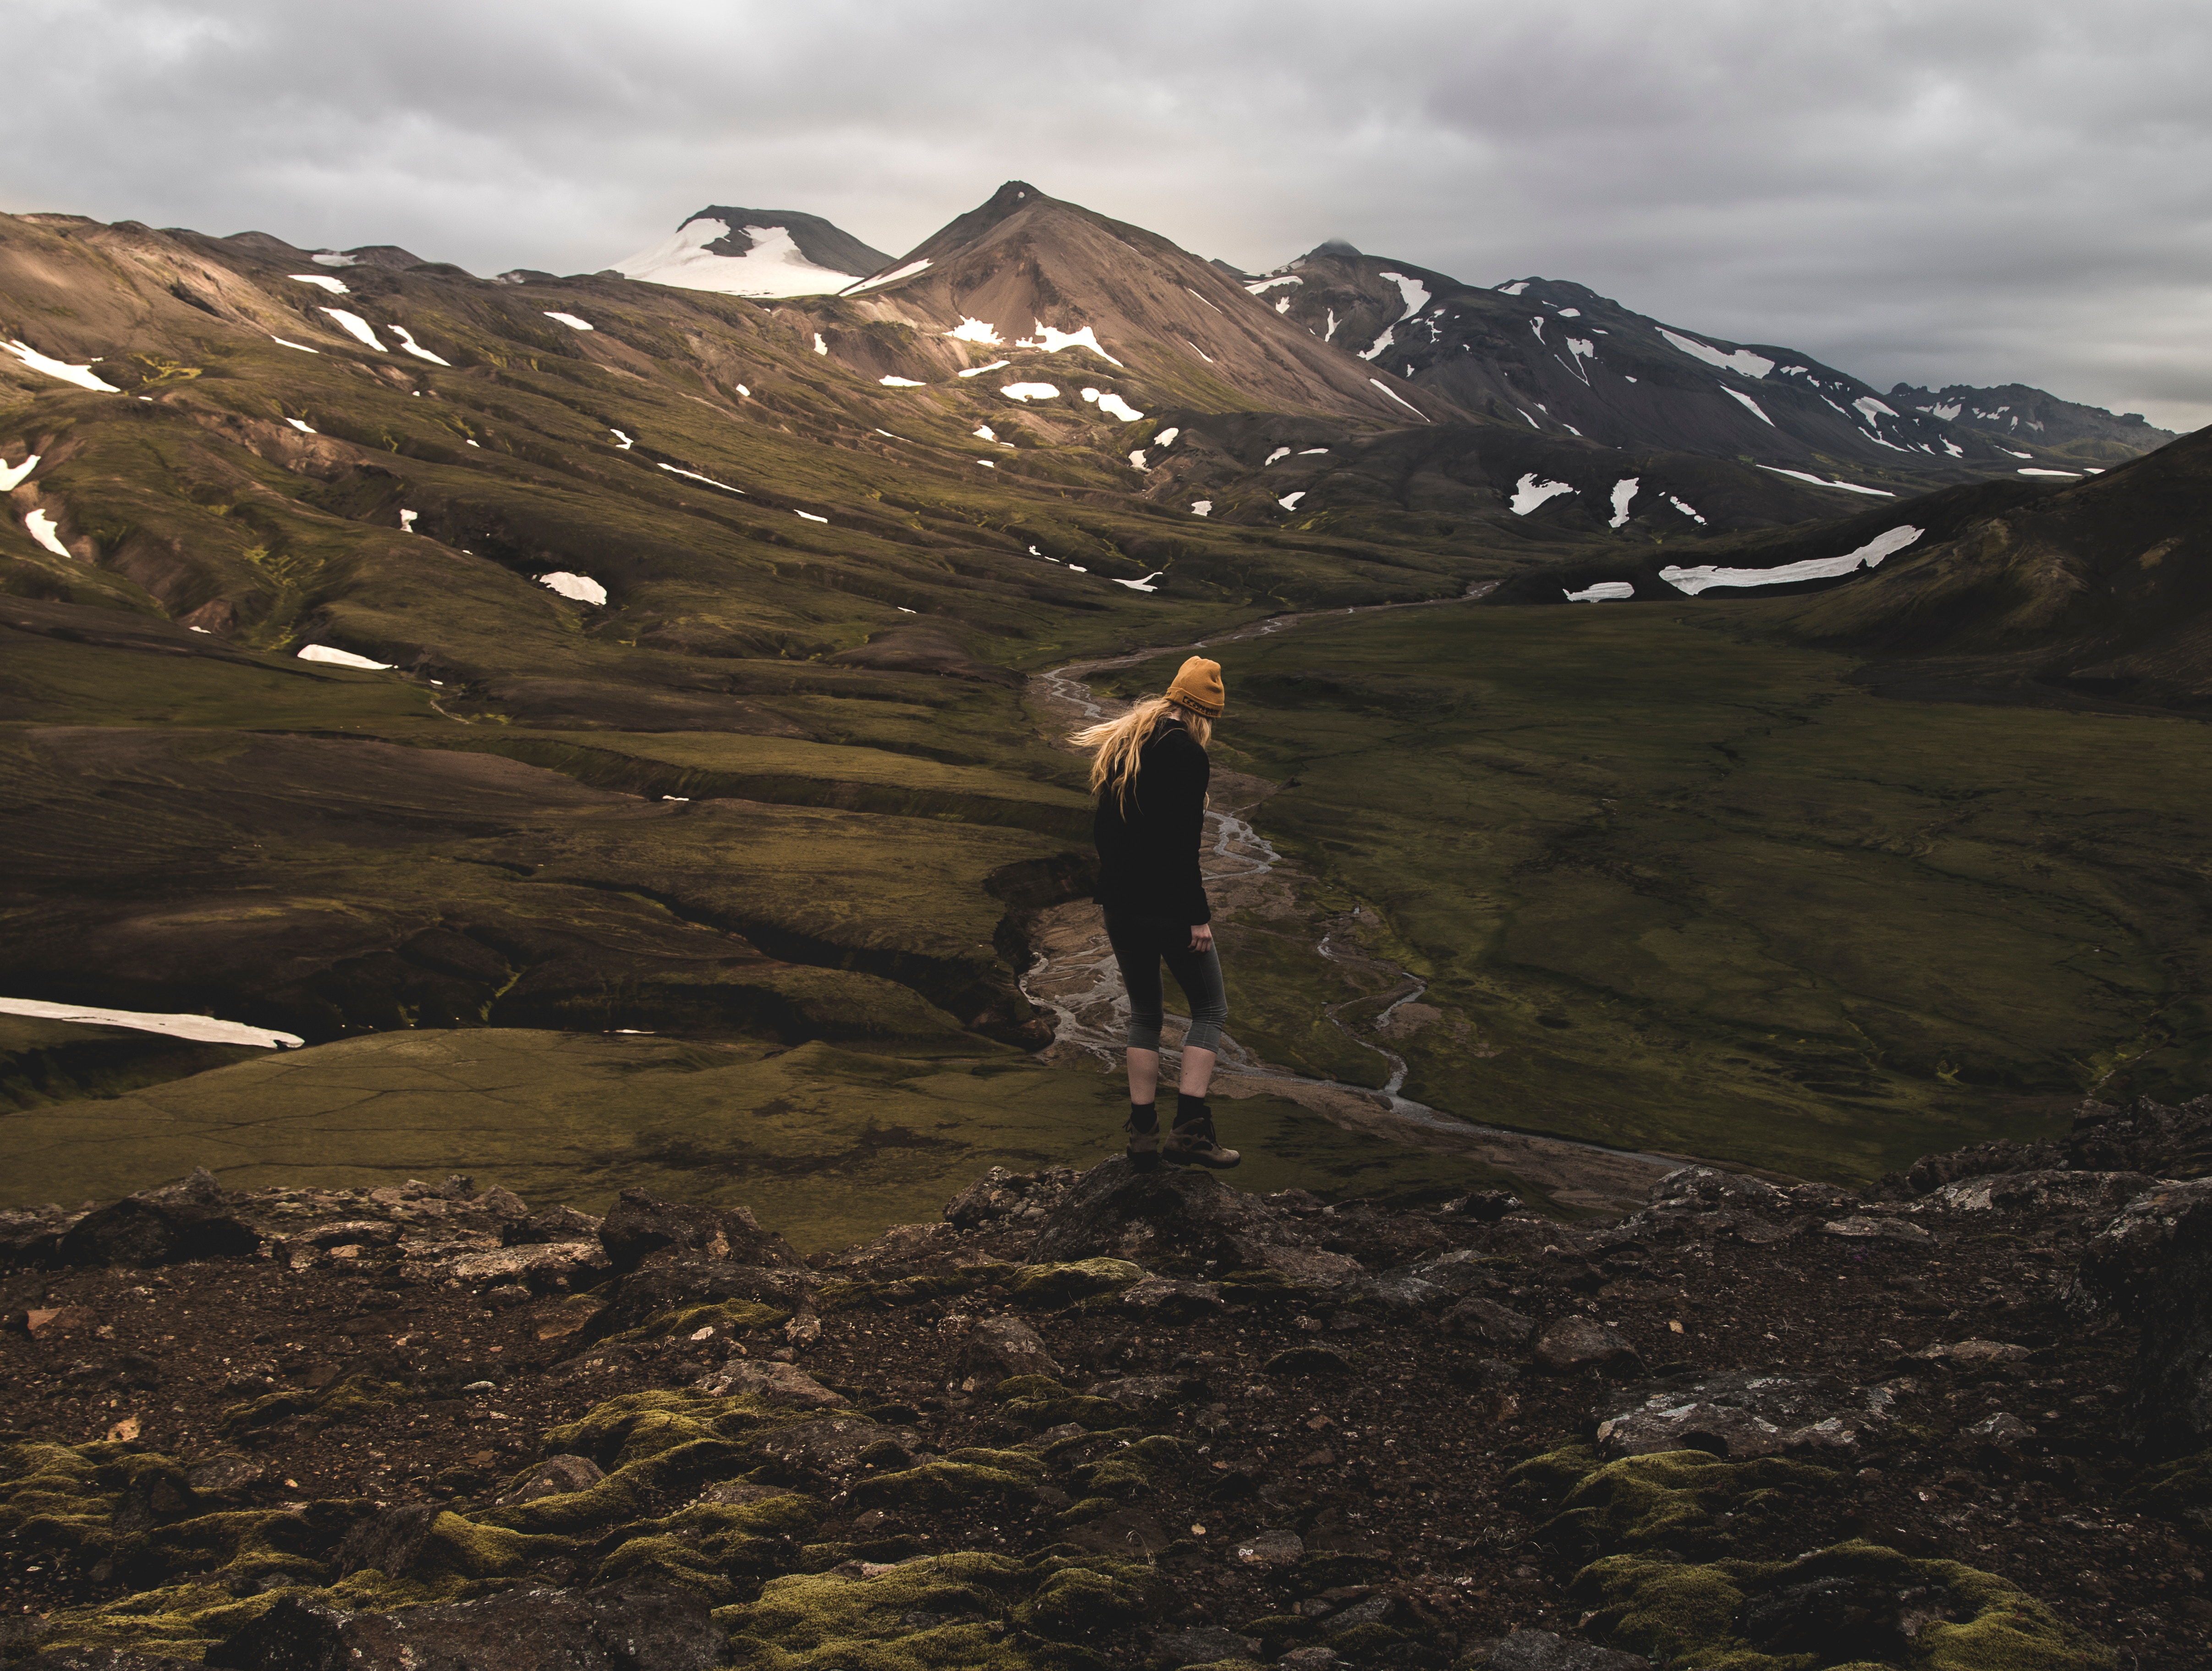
(1252, 886)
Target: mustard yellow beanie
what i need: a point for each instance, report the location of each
(1198, 688)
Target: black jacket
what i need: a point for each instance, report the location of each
(1148, 858)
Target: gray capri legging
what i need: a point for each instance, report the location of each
(1141, 945)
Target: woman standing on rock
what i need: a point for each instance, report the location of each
(1150, 772)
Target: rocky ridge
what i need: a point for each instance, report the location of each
(1102, 1418)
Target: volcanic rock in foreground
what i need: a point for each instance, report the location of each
(1101, 1420)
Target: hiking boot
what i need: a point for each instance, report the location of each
(1192, 1143)
(1143, 1147)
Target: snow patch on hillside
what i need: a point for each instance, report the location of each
(1401, 399)
(1415, 293)
(694, 476)
(335, 287)
(1114, 406)
(1167, 436)
(407, 519)
(1028, 392)
(1686, 510)
(1759, 411)
(40, 524)
(1514, 289)
(627, 441)
(1145, 585)
(582, 587)
(772, 267)
(902, 383)
(1605, 592)
(325, 653)
(1137, 460)
(820, 347)
(356, 328)
(1201, 507)
(83, 376)
(1847, 487)
(1528, 493)
(2069, 474)
(810, 516)
(1289, 501)
(299, 424)
(13, 476)
(1743, 360)
(1705, 575)
(407, 341)
(1380, 342)
(977, 330)
(1052, 341)
(995, 365)
(200, 1028)
(1264, 284)
(1624, 496)
(1279, 452)
(302, 347)
(570, 321)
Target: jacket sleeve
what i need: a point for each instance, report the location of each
(1175, 821)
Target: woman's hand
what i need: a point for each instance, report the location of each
(1201, 936)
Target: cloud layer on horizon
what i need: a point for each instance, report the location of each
(1973, 191)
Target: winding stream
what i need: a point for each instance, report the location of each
(1075, 978)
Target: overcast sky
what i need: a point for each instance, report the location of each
(1945, 191)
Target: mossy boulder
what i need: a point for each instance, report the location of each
(963, 1476)
(1065, 1283)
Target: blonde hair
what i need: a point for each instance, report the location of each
(1117, 742)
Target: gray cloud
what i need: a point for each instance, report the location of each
(1962, 190)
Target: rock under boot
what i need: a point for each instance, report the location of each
(1192, 1143)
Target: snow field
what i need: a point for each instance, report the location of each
(1686, 510)
(407, 341)
(570, 321)
(1289, 501)
(1528, 493)
(1514, 289)
(302, 347)
(407, 522)
(324, 653)
(772, 267)
(1605, 592)
(1624, 496)
(890, 277)
(83, 376)
(356, 328)
(582, 587)
(13, 476)
(1304, 453)
(903, 609)
(301, 425)
(41, 527)
(984, 431)
(626, 443)
(1167, 437)
(200, 1028)
(975, 330)
(1201, 507)
(1023, 393)
(1114, 406)
(2071, 475)
(1145, 585)
(1705, 575)
(1757, 411)
(1282, 304)
(810, 516)
(820, 347)
(1380, 342)
(1743, 360)
(901, 382)
(1137, 460)
(986, 463)
(995, 365)
(1279, 452)
(1265, 284)
(1847, 487)
(323, 281)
